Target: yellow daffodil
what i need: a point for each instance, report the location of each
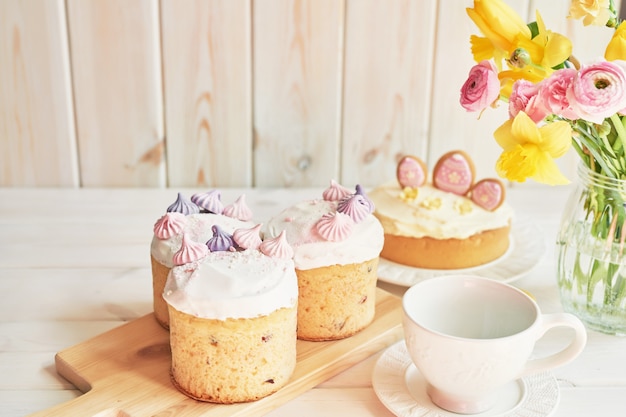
(545, 51)
(529, 151)
(552, 48)
(501, 26)
(616, 49)
(509, 38)
(483, 49)
(508, 78)
(592, 12)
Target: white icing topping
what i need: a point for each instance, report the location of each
(197, 228)
(312, 250)
(223, 285)
(434, 213)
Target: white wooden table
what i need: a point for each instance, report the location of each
(75, 263)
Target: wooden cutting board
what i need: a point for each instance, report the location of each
(125, 371)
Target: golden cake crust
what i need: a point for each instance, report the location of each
(159, 278)
(233, 360)
(336, 301)
(431, 253)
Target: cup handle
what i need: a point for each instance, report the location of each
(564, 356)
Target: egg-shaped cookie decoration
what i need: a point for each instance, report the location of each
(488, 193)
(411, 172)
(454, 173)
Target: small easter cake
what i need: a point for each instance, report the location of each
(336, 242)
(194, 218)
(233, 316)
(451, 222)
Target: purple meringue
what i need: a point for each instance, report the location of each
(370, 203)
(354, 206)
(209, 201)
(221, 241)
(183, 205)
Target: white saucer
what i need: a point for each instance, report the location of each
(402, 389)
(525, 251)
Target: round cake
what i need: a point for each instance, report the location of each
(450, 223)
(233, 317)
(193, 218)
(336, 242)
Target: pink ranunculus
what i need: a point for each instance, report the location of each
(524, 98)
(553, 93)
(622, 64)
(598, 91)
(482, 87)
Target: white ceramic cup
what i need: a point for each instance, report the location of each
(470, 336)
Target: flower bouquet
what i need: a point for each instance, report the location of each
(555, 103)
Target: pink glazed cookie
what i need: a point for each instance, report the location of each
(411, 172)
(454, 173)
(488, 193)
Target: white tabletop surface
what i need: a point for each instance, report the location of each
(75, 263)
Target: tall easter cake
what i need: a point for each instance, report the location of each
(336, 242)
(233, 316)
(450, 223)
(194, 218)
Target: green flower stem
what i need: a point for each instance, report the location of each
(589, 142)
(583, 156)
(608, 147)
(618, 124)
(619, 128)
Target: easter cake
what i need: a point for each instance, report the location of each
(447, 221)
(233, 316)
(337, 243)
(193, 217)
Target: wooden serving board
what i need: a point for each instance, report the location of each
(125, 371)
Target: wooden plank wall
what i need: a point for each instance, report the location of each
(236, 93)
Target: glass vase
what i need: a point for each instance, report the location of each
(591, 248)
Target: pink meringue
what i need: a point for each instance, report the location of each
(277, 247)
(335, 192)
(189, 251)
(248, 238)
(239, 209)
(169, 225)
(335, 227)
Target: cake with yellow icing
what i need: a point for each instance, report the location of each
(448, 221)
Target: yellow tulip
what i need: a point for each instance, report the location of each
(616, 49)
(529, 151)
(500, 24)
